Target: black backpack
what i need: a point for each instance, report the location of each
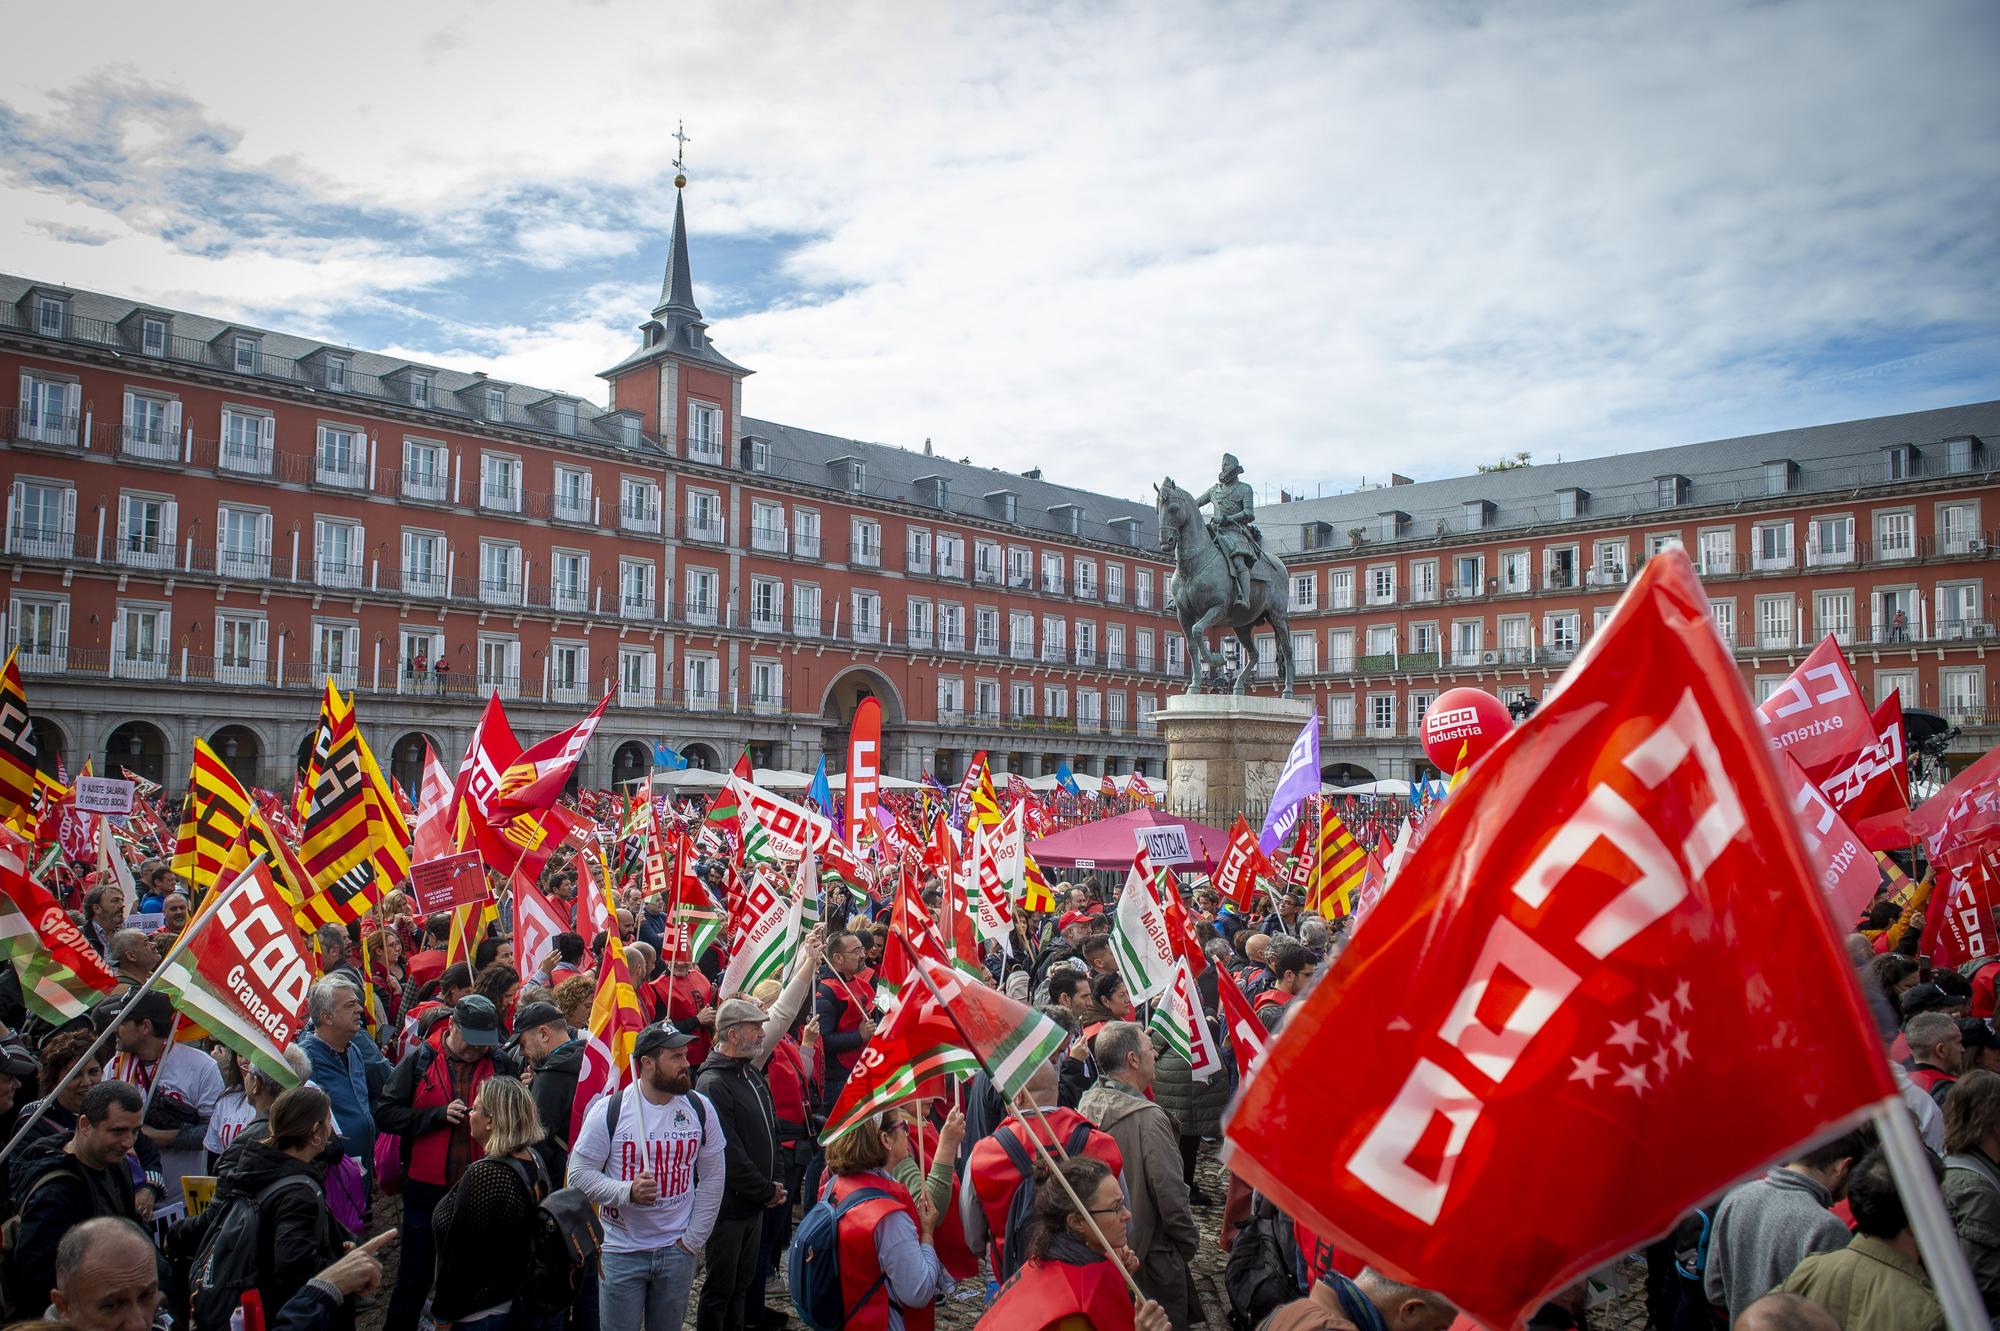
(1021, 1210)
(1262, 1275)
(565, 1238)
(225, 1265)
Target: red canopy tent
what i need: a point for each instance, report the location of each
(1112, 842)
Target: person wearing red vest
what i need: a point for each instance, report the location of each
(991, 1177)
(686, 1001)
(426, 1103)
(1292, 966)
(846, 1020)
(890, 1274)
(1071, 1279)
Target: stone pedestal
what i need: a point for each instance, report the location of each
(1224, 753)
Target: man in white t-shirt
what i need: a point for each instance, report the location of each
(656, 1174)
(180, 1081)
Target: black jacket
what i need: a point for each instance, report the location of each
(56, 1192)
(554, 1091)
(742, 1101)
(296, 1234)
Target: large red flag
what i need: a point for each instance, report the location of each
(1817, 716)
(1959, 925)
(1246, 1034)
(60, 938)
(1609, 941)
(864, 770)
(1242, 863)
(532, 781)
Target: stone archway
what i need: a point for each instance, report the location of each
(141, 746)
(837, 706)
(406, 759)
(241, 751)
(51, 746)
(305, 753)
(1344, 774)
(702, 757)
(630, 761)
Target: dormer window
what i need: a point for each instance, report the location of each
(1479, 514)
(628, 427)
(1961, 455)
(336, 373)
(857, 477)
(1781, 476)
(244, 351)
(153, 337)
(1068, 518)
(51, 316)
(1903, 460)
(420, 389)
(565, 414)
(1395, 525)
(496, 404)
(758, 454)
(1007, 503)
(1670, 491)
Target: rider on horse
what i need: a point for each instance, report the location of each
(1234, 527)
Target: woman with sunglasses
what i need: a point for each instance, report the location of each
(1069, 1280)
(890, 1275)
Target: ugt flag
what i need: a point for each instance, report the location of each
(1608, 942)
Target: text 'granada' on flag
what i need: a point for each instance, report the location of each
(1603, 947)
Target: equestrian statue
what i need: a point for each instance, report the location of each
(1223, 576)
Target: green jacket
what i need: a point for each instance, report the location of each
(1974, 1203)
(1869, 1286)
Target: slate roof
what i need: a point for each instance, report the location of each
(1623, 487)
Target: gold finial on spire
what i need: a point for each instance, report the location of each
(681, 142)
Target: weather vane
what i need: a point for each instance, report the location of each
(680, 152)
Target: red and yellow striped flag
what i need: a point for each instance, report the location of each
(354, 841)
(1340, 868)
(17, 751)
(209, 845)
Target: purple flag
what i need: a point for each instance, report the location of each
(1299, 779)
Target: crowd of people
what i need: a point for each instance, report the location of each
(151, 1175)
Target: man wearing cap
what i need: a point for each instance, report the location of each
(732, 1080)
(652, 1158)
(426, 1103)
(555, 1055)
(181, 1082)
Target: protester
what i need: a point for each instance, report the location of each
(1972, 1177)
(104, 915)
(283, 1178)
(1878, 1279)
(234, 1111)
(345, 1063)
(132, 957)
(1163, 1230)
(574, 997)
(179, 1082)
(62, 1052)
(1071, 1267)
(1938, 1048)
(994, 1172)
(889, 1271)
(1291, 967)
(1765, 1228)
(1371, 1299)
(686, 998)
(554, 1056)
(105, 1276)
(845, 1012)
(59, 1185)
(484, 1226)
(427, 1102)
(658, 1177)
(731, 1080)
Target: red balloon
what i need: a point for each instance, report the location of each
(1468, 719)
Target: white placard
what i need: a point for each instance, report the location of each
(1165, 845)
(103, 794)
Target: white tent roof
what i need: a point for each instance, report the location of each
(695, 778)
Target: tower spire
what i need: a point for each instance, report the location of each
(677, 290)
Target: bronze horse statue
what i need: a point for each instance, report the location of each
(1201, 593)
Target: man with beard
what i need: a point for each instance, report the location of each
(652, 1158)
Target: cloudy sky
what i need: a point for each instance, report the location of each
(1110, 240)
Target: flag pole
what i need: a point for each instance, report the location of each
(1937, 1241)
(173, 953)
(1041, 1148)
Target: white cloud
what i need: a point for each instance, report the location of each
(1118, 239)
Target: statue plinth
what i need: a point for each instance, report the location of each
(1225, 751)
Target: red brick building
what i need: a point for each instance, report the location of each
(205, 520)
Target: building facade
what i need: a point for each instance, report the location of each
(205, 521)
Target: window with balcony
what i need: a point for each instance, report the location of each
(141, 637)
(1340, 650)
(805, 610)
(865, 616)
(1055, 702)
(569, 672)
(767, 526)
(1089, 711)
(950, 698)
(704, 441)
(499, 662)
(1423, 639)
(918, 610)
(637, 667)
(499, 573)
(1563, 632)
(1774, 622)
(572, 497)
(249, 440)
(242, 542)
(1086, 579)
(1021, 700)
(950, 555)
(986, 699)
(40, 625)
(951, 627)
(1957, 527)
(44, 520)
(336, 650)
(1020, 563)
(1833, 613)
(704, 515)
(1052, 571)
(1114, 584)
(51, 316)
(702, 589)
(146, 530)
(986, 631)
(986, 563)
(1174, 654)
(341, 457)
(1962, 694)
(1021, 635)
(241, 648)
(49, 410)
(1055, 637)
(1114, 646)
(1895, 534)
(1514, 639)
(805, 533)
(1468, 642)
(569, 581)
(1142, 650)
(500, 482)
(1340, 589)
(152, 428)
(1722, 614)
(1423, 580)
(1958, 609)
(916, 550)
(701, 681)
(424, 474)
(1717, 551)
(635, 589)
(423, 562)
(1305, 653)
(1607, 563)
(1381, 713)
(337, 561)
(1382, 584)
(767, 685)
(1468, 575)
(1086, 642)
(767, 604)
(638, 504)
(336, 374)
(865, 543)
(1559, 567)
(1771, 546)
(1514, 575)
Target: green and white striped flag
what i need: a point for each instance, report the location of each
(1139, 936)
(52, 991)
(1178, 1020)
(767, 945)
